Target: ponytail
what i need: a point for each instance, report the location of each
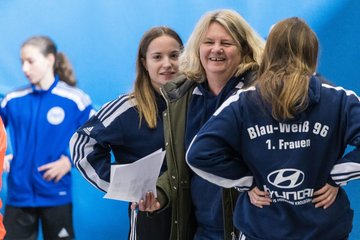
(64, 69)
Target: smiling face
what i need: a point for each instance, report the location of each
(219, 53)
(37, 68)
(161, 60)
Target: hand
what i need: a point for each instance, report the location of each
(57, 169)
(6, 165)
(325, 196)
(150, 204)
(259, 198)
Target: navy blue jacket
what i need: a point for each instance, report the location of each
(41, 123)
(206, 196)
(115, 129)
(289, 160)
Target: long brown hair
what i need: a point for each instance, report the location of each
(144, 93)
(62, 66)
(290, 58)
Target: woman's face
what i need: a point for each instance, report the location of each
(219, 54)
(161, 60)
(36, 67)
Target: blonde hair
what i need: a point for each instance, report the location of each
(62, 67)
(250, 44)
(290, 58)
(144, 92)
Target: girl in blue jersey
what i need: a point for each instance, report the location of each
(131, 126)
(41, 118)
(290, 132)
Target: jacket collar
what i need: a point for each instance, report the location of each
(177, 88)
(314, 90)
(38, 90)
(180, 85)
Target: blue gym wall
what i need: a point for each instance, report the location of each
(100, 37)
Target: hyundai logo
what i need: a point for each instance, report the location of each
(286, 178)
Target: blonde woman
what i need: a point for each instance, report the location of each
(221, 56)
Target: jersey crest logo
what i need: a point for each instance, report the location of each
(55, 115)
(286, 178)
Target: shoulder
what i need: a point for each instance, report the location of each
(331, 89)
(16, 94)
(332, 93)
(81, 99)
(239, 97)
(113, 109)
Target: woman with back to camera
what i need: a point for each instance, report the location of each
(41, 118)
(131, 126)
(291, 130)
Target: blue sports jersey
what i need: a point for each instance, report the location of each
(290, 160)
(41, 123)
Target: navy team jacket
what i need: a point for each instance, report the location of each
(115, 129)
(41, 123)
(290, 160)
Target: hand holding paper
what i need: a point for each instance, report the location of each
(130, 182)
(149, 204)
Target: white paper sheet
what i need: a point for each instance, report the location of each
(130, 182)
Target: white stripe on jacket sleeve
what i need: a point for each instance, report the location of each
(80, 147)
(344, 172)
(243, 183)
